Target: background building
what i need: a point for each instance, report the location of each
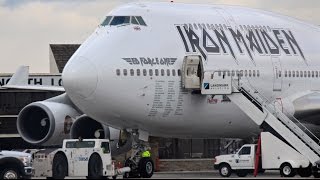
(12, 101)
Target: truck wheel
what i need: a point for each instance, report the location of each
(305, 172)
(225, 170)
(286, 170)
(242, 173)
(59, 167)
(10, 173)
(146, 167)
(95, 167)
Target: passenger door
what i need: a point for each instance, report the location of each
(277, 74)
(244, 158)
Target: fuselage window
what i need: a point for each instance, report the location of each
(241, 73)
(312, 73)
(125, 72)
(301, 73)
(289, 73)
(219, 73)
(229, 74)
(168, 72)
(224, 74)
(305, 73)
(258, 73)
(150, 72)
(199, 25)
(106, 21)
(138, 72)
(141, 21)
(317, 75)
(250, 73)
(162, 72)
(118, 20)
(173, 72)
(131, 72)
(279, 74)
(297, 73)
(309, 74)
(118, 72)
(134, 20)
(144, 72)
(293, 74)
(232, 72)
(179, 72)
(156, 72)
(246, 73)
(285, 74)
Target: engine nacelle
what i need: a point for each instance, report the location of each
(88, 128)
(47, 122)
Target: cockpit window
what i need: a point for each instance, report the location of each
(141, 21)
(118, 20)
(106, 21)
(134, 20)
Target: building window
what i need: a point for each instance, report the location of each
(144, 72)
(125, 72)
(138, 72)
(118, 72)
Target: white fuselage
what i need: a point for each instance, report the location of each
(157, 103)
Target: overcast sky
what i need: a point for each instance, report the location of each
(27, 27)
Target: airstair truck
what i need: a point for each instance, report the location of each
(275, 155)
(89, 158)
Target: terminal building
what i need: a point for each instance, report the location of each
(12, 101)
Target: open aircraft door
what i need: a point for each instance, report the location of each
(192, 72)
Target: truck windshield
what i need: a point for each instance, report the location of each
(80, 144)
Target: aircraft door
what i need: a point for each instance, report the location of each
(277, 74)
(192, 72)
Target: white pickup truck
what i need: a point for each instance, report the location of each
(15, 165)
(275, 154)
(89, 158)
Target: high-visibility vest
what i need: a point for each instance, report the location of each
(146, 154)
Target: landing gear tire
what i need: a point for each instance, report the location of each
(59, 167)
(242, 173)
(305, 172)
(10, 173)
(146, 167)
(225, 170)
(286, 170)
(134, 170)
(95, 167)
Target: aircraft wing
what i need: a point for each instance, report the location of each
(19, 80)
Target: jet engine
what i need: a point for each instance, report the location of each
(88, 128)
(47, 122)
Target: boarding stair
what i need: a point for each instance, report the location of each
(265, 113)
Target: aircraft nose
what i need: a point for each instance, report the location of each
(80, 77)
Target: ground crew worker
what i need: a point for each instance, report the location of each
(146, 154)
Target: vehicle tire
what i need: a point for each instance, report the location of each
(95, 167)
(242, 173)
(225, 170)
(59, 167)
(305, 172)
(316, 174)
(146, 167)
(286, 170)
(10, 173)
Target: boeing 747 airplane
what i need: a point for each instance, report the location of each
(184, 71)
